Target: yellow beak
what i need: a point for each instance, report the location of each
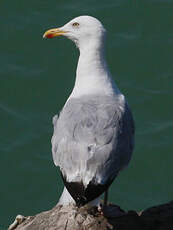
(53, 33)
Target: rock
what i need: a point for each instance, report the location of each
(18, 220)
(159, 217)
(112, 218)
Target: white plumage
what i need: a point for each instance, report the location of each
(94, 134)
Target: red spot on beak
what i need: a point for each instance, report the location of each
(49, 35)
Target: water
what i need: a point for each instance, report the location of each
(37, 77)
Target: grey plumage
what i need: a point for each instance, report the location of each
(94, 135)
(93, 139)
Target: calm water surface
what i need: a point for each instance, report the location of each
(36, 77)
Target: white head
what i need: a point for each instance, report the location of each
(83, 30)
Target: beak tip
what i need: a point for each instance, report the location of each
(46, 36)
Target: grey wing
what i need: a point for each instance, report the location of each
(93, 139)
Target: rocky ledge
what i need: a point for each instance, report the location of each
(112, 218)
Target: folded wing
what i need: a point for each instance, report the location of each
(93, 140)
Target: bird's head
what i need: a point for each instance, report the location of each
(82, 30)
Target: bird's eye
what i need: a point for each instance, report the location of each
(75, 24)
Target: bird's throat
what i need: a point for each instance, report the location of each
(92, 75)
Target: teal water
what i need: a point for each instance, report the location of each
(36, 77)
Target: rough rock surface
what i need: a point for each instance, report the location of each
(72, 218)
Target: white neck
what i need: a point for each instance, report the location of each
(92, 75)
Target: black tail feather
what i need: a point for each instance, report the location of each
(84, 195)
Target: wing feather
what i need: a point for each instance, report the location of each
(93, 139)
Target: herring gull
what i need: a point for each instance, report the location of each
(93, 135)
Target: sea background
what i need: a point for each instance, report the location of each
(37, 76)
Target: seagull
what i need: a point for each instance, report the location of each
(93, 135)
